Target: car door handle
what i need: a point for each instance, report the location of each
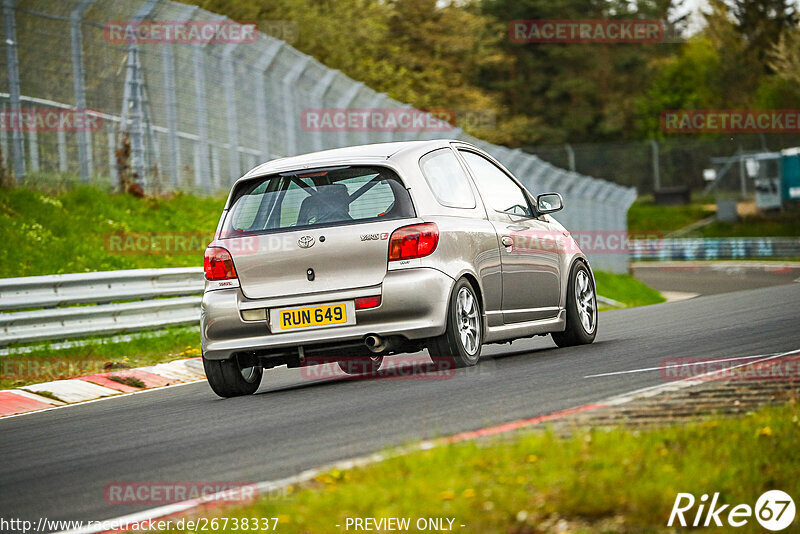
(506, 241)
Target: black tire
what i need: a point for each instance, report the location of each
(368, 365)
(576, 332)
(449, 350)
(234, 377)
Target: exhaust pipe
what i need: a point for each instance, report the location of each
(376, 343)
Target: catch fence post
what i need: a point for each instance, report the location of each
(17, 143)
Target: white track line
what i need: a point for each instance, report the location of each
(676, 385)
(268, 486)
(646, 369)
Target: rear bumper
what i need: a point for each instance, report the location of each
(413, 305)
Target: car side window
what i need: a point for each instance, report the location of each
(447, 179)
(499, 191)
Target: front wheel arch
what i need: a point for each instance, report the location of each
(574, 332)
(447, 350)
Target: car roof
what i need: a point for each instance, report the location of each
(374, 151)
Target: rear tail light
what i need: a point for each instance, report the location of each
(413, 241)
(363, 303)
(218, 264)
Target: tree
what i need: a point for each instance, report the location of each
(688, 80)
(762, 23)
(785, 57)
(578, 92)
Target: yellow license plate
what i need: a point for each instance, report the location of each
(328, 314)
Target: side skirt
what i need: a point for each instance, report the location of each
(527, 329)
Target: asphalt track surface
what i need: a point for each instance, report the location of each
(55, 464)
(712, 278)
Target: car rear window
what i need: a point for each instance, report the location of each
(312, 198)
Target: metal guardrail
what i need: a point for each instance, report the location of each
(68, 306)
(65, 306)
(715, 248)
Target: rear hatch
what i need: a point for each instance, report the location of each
(315, 230)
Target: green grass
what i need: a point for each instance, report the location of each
(45, 394)
(618, 480)
(46, 363)
(128, 381)
(785, 224)
(626, 289)
(70, 231)
(645, 216)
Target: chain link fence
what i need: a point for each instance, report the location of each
(194, 116)
(666, 163)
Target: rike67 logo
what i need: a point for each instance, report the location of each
(774, 510)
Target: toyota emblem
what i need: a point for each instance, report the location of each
(306, 241)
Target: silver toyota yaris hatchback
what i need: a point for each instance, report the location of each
(357, 253)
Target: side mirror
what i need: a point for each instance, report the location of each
(549, 202)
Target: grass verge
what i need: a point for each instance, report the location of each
(618, 480)
(645, 216)
(45, 363)
(760, 225)
(626, 289)
(70, 232)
